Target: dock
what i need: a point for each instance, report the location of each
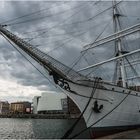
(131, 134)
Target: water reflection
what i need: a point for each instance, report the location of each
(37, 128)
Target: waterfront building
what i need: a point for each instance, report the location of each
(20, 107)
(72, 107)
(4, 107)
(50, 102)
(35, 104)
(54, 103)
(64, 103)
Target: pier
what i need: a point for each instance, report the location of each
(131, 134)
(41, 116)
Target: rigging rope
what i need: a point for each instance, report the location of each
(76, 122)
(91, 18)
(135, 72)
(29, 61)
(58, 24)
(101, 117)
(68, 33)
(44, 29)
(70, 40)
(83, 53)
(114, 79)
(101, 13)
(43, 73)
(26, 15)
(97, 39)
(39, 18)
(67, 40)
(36, 12)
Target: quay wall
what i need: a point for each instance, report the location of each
(40, 116)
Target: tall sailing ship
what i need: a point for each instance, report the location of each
(107, 105)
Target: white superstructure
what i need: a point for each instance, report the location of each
(48, 101)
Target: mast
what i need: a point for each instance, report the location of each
(118, 44)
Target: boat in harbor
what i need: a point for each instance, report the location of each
(107, 105)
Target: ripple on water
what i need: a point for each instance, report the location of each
(34, 128)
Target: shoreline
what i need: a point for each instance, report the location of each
(40, 116)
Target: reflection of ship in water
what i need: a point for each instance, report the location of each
(106, 103)
(54, 128)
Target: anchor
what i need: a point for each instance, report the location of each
(96, 107)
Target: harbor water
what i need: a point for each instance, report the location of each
(11, 128)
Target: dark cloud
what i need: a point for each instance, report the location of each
(70, 44)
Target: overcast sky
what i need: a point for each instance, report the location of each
(19, 80)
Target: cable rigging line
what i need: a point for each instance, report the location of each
(102, 12)
(59, 23)
(66, 19)
(63, 43)
(74, 22)
(30, 62)
(61, 34)
(134, 71)
(68, 33)
(39, 18)
(62, 22)
(45, 75)
(83, 53)
(26, 15)
(87, 104)
(98, 14)
(77, 22)
(31, 20)
(68, 39)
(66, 42)
(102, 117)
(33, 13)
(54, 48)
(97, 39)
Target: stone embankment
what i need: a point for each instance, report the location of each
(40, 116)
